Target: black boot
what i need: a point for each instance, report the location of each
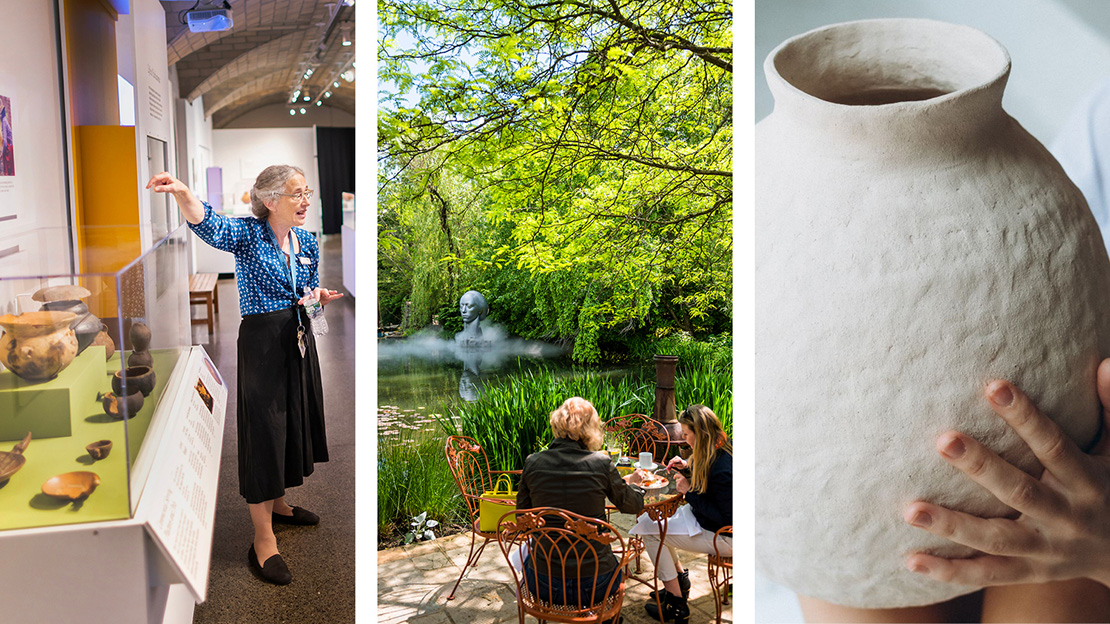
(683, 584)
(674, 608)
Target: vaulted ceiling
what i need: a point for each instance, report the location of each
(264, 58)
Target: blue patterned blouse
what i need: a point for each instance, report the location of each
(260, 264)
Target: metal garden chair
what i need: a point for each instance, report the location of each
(472, 474)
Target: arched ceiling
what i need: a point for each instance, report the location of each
(264, 57)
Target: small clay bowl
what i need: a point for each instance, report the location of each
(99, 449)
(114, 406)
(139, 378)
(71, 485)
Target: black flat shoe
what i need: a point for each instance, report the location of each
(273, 571)
(300, 517)
(674, 608)
(683, 584)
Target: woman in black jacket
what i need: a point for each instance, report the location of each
(706, 480)
(574, 474)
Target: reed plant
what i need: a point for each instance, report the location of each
(510, 420)
(413, 478)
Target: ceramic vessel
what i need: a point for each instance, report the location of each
(68, 292)
(37, 345)
(86, 328)
(99, 450)
(105, 340)
(139, 378)
(140, 341)
(122, 408)
(72, 485)
(913, 242)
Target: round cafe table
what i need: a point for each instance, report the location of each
(660, 503)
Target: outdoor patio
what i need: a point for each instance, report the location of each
(414, 580)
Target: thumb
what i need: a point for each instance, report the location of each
(1103, 384)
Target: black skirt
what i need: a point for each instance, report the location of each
(280, 405)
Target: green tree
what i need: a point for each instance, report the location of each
(597, 139)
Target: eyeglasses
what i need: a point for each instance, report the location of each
(299, 195)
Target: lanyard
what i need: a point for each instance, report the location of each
(292, 268)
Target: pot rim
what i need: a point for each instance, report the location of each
(38, 319)
(922, 32)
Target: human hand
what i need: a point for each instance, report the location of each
(635, 477)
(681, 484)
(1062, 532)
(676, 463)
(190, 206)
(166, 183)
(323, 295)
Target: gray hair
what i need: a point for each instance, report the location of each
(270, 184)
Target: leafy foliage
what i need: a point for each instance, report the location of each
(583, 146)
(510, 421)
(413, 478)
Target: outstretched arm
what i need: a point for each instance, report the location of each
(191, 207)
(1063, 531)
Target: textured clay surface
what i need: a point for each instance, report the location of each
(900, 266)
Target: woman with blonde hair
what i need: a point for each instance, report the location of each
(574, 474)
(706, 480)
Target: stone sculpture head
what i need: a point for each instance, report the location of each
(473, 307)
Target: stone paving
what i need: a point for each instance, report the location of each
(414, 581)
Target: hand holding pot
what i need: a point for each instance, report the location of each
(1062, 532)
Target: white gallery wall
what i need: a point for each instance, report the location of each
(29, 81)
(34, 208)
(1059, 49)
(242, 154)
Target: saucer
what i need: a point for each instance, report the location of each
(653, 466)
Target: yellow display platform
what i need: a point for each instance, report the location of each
(44, 407)
(22, 503)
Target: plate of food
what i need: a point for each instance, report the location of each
(654, 482)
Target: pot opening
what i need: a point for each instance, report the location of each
(877, 62)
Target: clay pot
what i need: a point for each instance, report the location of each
(72, 485)
(37, 345)
(75, 306)
(68, 292)
(100, 449)
(86, 329)
(139, 378)
(105, 340)
(140, 358)
(140, 336)
(116, 406)
(912, 242)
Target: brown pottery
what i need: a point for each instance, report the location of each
(71, 485)
(139, 378)
(116, 406)
(37, 345)
(12, 461)
(99, 449)
(105, 340)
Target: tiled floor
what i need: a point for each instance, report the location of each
(414, 581)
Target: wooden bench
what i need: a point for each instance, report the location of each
(202, 289)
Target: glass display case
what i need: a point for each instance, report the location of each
(93, 330)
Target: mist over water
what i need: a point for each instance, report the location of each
(494, 349)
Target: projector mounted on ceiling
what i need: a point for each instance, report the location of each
(209, 16)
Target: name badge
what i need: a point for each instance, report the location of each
(306, 260)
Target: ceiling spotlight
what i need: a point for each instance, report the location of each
(350, 2)
(348, 75)
(318, 102)
(327, 93)
(335, 84)
(309, 72)
(306, 98)
(346, 37)
(292, 112)
(302, 111)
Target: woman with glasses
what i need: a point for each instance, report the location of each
(280, 398)
(706, 480)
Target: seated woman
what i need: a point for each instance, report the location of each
(573, 474)
(706, 480)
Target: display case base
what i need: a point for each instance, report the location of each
(44, 408)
